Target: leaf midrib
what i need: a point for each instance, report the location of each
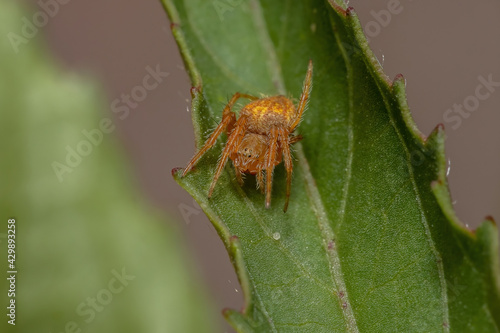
(312, 190)
(275, 70)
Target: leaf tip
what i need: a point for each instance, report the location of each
(399, 78)
(226, 312)
(175, 171)
(195, 90)
(437, 135)
(491, 219)
(338, 8)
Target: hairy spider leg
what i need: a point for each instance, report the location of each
(284, 141)
(295, 138)
(227, 122)
(232, 143)
(239, 176)
(270, 162)
(260, 180)
(306, 91)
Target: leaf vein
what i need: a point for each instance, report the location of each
(435, 252)
(284, 249)
(325, 229)
(329, 241)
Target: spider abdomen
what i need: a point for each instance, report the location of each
(266, 113)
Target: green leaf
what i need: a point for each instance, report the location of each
(74, 237)
(370, 242)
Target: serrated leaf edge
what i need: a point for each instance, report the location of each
(434, 143)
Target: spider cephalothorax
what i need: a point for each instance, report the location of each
(259, 139)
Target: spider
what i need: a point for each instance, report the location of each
(259, 139)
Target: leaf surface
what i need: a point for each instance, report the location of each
(370, 242)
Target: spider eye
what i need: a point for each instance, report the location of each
(247, 152)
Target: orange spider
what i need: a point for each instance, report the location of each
(259, 138)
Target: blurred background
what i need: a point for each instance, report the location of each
(443, 49)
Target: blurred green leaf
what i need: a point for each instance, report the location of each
(89, 236)
(370, 242)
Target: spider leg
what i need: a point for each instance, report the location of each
(270, 163)
(239, 176)
(260, 180)
(285, 141)
(295, 139)
(231, 103)
(232, 143)
(228, 120)
(306, 91)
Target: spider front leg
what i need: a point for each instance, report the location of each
(239, 176)
(295, 138)
(228, 120)
(270, 163)
(232, 144)
(260, 180)
(285, 142)
(306, 91)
